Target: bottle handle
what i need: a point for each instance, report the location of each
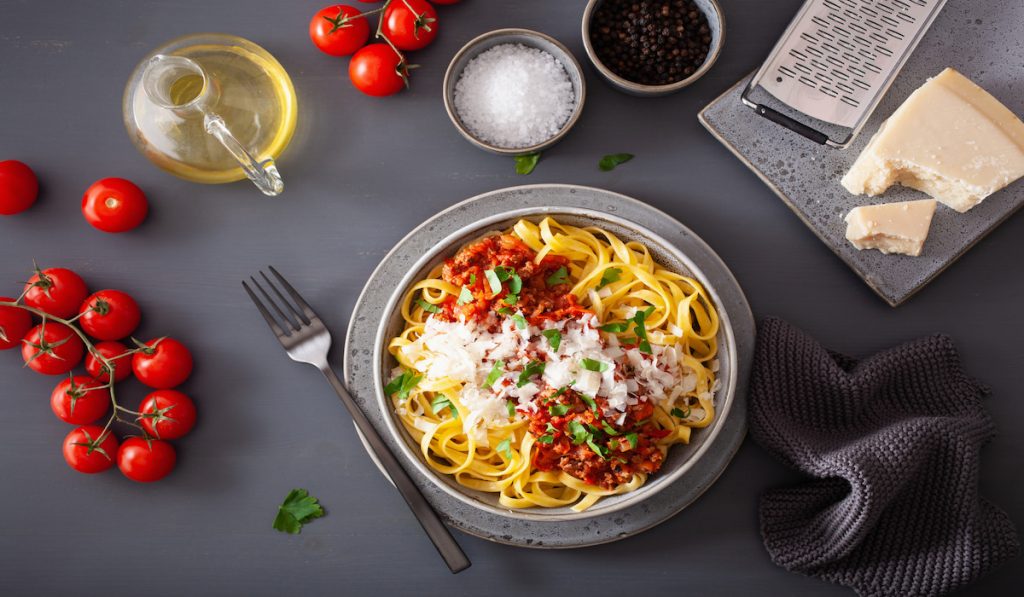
(263, 173)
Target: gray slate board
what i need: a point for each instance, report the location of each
(985, 42)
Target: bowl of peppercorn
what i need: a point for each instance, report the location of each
(653, 47)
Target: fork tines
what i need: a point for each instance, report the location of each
(291, 315)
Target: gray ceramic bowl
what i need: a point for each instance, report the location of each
(681, 458)
(526, 37)
(716, 22)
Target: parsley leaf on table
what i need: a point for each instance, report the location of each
(610, 161)
(298, 508)
(526, 163)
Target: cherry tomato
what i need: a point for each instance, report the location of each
(18, 187)
(90, 450)
(163, 364)
(56, 291)
(377, 70)
(410, 24)
(109, 315)
(14, 324)
(144, 460)
(54, 351)
(110, 351)
(114, 205)
(79, 400)
(339, 30)
(167, 414)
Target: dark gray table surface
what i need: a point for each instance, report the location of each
(361, 173)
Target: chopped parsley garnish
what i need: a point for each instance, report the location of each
(592, 365)
(402, 385)
(680, 413)
(562, 390)
(546, 439)
(532, 368)
(609, 429)
(554, 338)
(504, 311)
(578, 432)
(589, 401)
(472, 279)
(558, 410)
(510, 299)
(440, 403)
(515, 284)
(615, 328)
(612, 274)
(511, 407)
(505, 447)
(495, 373)
(526, 163)
(520, 321)
(561, 276)
(632, 439)
(610, 161)
(596, 448)
(465, 296)
(640, 328)
(429, 308)
(298, 508)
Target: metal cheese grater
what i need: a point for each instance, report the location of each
(835, 62)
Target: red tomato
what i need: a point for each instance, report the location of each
(410, 24)
(54, 351)
(14, 324)
(56, 291)
(114, 205)
(163, 364)
(79, 400)
(109, 315)
(18, 187)
(378, 70)
(339, 30)
(110, 351)
(90, 450)
(167, 414)
(144, 460)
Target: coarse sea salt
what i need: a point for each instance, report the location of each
(513, 96)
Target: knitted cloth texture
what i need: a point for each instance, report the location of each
(892, 445)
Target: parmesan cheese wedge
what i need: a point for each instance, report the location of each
(891, 227)
(950, 139)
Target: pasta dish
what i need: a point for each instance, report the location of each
(553, 365)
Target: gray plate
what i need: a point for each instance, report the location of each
(982, 40)
(371, 310)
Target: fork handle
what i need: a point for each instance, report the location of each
(425, 514)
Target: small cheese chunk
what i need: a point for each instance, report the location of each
(891, 227)
(950, 139)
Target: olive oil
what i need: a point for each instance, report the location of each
(185, 89)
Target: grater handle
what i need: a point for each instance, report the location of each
(794, 125)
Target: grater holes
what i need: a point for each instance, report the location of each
(822, 33)
(841, 75)
(831, 4)
(920, 2)
(802, 68)
(873, 24)
(861, 84)
(850, 101)
(857, 71)
(890, 21)
(900, 4)
(824, 78)
(882, 40)
(798, 54)
(836, 18)
(813, 51)
(787, 71)
(858, 28)
(834, 62)
(844, 33)
(905, 17)
(832, 49)
(808, 82)
(819, 65)
(849, 14)
(844, 88)
(820, 22)
(867, 54)
(871, 66)
(884, 51)
(862, 42)
(828, 91)
(850, 57)
(894, 34)
(869, 11)
(850, 3)
(885, 7)
(807, 37)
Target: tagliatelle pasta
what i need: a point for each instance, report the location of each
(553, 365)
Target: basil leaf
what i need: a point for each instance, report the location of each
(402, 385)
(526, 163)
(632, 439)
(680, 414)
(520, 321)
(579, 432)
(554, 338)
(612, 274)
(532, 368)
(592, 365)
(561, 276)
(505, 447)
(495, 373)
(465, 296)
(589, 402)
(428, 307)
(442, 402)
(615, 328)
(610, 161)
(558, 410)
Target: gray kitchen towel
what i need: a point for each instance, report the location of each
(891, 444)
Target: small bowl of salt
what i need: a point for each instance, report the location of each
(514, 91)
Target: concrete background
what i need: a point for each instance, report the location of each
(360, 173)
